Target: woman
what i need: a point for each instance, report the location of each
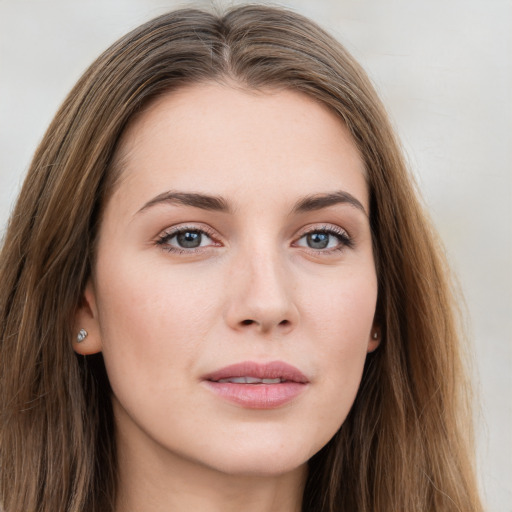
(220, 291)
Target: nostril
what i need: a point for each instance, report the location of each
(248, 321)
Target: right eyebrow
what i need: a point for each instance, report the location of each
(196, 200)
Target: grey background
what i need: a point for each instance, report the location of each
(443, 69)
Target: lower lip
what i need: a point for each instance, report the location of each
(257, 396)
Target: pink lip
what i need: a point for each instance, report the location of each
(258, 396)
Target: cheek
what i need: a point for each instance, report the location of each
(340, 320)
(342, 310)
(152, 320)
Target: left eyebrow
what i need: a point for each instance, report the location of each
(319, 201)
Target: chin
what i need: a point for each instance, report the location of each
(267, 466)
(265, 457)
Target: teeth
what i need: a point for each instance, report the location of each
(271, 381)
(250, 380)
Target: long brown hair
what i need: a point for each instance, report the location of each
(406, 444)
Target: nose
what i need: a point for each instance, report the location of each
(261, 295)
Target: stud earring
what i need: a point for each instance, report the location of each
(375, 335)
(82, 334)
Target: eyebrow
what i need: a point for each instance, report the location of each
(219, 204)
(203, 201)
(319, 201)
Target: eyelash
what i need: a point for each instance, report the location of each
(164, 239)
(344, 240)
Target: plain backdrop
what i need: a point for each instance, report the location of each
(444, 71)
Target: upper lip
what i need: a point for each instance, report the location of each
(270, 370)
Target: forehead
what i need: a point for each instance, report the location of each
(224, 139)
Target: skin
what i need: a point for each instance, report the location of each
(254, 290)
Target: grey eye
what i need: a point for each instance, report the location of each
(189, 239)
(322, 239)
(318, 240)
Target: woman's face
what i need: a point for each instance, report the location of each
(235, 288)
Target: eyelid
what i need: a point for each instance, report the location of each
(167, 234)
(345, 240)
(322, 226)
(162, 239)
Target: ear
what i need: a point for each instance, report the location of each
(375, 337)
(86, 319)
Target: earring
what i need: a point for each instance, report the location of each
(82, 334)
(375, 335)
